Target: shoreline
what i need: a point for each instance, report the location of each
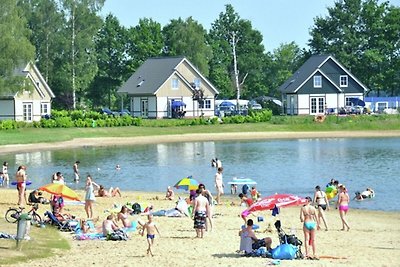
(201, 137)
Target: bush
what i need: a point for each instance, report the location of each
(64, 122)
(8, 125)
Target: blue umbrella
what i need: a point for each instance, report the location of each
(357, 102)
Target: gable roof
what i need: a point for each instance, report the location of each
(153, 73)
(308, 69)
(24, 71)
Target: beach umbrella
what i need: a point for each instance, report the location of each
(278, 200)
(60, 190)
(187, 183)
(227, 104)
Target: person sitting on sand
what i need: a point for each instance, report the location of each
(109, 226)
(169, 194)
(123, 216)
(249, 241)
(151, 228)
(112, 192)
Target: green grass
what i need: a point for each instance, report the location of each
(45, 242)
(168, 127)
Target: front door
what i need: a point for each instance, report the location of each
(27, 111)
(144, 108)
(317, 105)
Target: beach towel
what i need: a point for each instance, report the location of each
(89, 236)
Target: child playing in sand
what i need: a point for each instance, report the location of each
(151, 229)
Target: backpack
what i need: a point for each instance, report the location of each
(136, 209)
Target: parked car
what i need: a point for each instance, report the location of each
(255, 106)
(225, 111)
(124, 112)
(106, 111)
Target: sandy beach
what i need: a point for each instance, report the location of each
(373, 239)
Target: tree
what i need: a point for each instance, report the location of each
(145, 40)
(15, 48)
(364, 37)
(82, 25)
(188, 38)
(229, 31)
(111, 44)
(45, 22)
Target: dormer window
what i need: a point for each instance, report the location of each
(344, 80)
(317, 81)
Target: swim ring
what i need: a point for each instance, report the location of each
(331, 191)
(27, 182)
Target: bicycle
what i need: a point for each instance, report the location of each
(12, 214)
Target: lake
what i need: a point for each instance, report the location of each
(279, 166)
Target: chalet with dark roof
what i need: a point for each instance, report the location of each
(167, 87)
(319, 85)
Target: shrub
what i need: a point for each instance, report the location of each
(77, 114)
(7, 125)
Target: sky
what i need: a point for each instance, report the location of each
(279, 21)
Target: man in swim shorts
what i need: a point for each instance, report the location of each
(201, 210)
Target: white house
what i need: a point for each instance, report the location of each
(321, 83)
(165, 87)
(27, 105)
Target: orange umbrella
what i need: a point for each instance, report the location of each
(60, 190)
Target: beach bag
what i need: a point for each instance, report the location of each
(284, 252)
(117, 235)
(136, 209)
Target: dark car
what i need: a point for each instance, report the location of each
(106, 111)
(124, 112)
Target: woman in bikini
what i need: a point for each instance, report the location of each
(343, 204)
(310, 223)
(323, 204)
(21, 178)
(123, 215)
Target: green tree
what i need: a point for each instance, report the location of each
(188, 38)
(145, 40)
(227, 32)
(45, 21)
(111, 44)
(15, 47)
(364, 37)
(80, 58)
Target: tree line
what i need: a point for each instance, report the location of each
(85, 58)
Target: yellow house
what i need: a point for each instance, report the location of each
(167, 87)
(26, 105)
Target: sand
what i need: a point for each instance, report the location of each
(373, 239)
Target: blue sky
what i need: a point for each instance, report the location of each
(279, 21)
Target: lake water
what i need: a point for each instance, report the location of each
(283, 166)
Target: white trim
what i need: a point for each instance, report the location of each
(312, 74)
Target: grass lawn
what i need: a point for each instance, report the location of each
(44, 242)
(163, 127)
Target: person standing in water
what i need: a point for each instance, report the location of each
(219, 184)
(76, 171)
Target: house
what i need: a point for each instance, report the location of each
(319, 85)
(168, 87)
(27, 105)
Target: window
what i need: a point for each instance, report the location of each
(27, 111)
(44, 108)
(344, 79)
(197, 83)
(206, 104)
(175, 83)
(317, 81)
